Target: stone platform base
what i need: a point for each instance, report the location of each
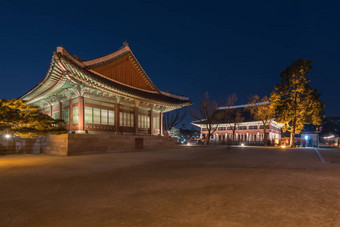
(77, 144)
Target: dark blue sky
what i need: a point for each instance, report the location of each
(222, 47)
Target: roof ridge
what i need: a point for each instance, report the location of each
(107, 57)
(244, 105)
(64, 52)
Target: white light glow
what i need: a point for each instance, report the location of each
(7, 136)
(242, 144)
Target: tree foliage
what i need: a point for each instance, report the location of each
(262, 110)
(19, 119)
(295, 102)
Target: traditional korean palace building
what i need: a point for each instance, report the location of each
(109, 94)
(248, 131)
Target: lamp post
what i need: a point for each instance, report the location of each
(7, 136)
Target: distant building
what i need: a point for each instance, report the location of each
(109, 94)
(248, 131)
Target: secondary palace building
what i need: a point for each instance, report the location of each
(248, 131)
(106, 94)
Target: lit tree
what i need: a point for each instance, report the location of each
(19, 119)
(295, 102)
(262, 110)
(206, 113)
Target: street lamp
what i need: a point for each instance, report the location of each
(7, 136)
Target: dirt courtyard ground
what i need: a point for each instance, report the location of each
(188, 186)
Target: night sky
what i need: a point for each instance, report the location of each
(188, 48)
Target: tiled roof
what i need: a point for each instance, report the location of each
(161, 96)
(86, 66)
(90, 76)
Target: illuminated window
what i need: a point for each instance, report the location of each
(104, 116)
(126, 119)
(143, 121)
(66, 115)
(55, 115)
(88, 115)
(111, 117)
(156, 123)
(96, 116)
(75, 117)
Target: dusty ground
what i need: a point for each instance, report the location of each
(181, 187)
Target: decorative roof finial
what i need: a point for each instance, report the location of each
(125, 43)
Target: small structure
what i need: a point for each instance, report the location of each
(109, 94)
(309, 139)
(248, 131)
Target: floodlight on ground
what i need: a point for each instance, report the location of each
(283, 146)
(242, 144)
(189, 144)
(7, 136)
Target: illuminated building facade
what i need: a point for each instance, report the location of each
(109, 94)
(248, 131)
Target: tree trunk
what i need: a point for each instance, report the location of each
(208, 139)
(265, 136)
(292, 142)
(233, 137)
(292, 134)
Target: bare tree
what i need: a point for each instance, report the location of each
(237, 118)
(232, 116)
(171, 119)
(207, 114)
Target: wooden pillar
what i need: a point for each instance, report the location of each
(60, 110)
(151, 122)
(117, 117)
(136, 120)
(51, 111)
(80, 113)
(161, 123)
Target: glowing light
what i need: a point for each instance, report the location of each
(283, 146)
(242, 144)
(189, 144)
(7, 136)
(306, 137)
